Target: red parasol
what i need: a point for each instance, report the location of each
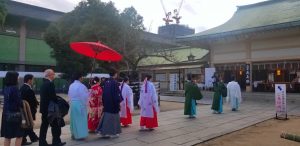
(96, 50)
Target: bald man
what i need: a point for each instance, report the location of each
(48, 94)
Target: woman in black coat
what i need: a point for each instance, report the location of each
(12, 104)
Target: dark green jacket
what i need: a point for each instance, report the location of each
(218, 88)
(191, 92)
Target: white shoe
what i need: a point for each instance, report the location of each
(115, 136)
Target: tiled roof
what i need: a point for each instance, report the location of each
(178, 55)
(272, 14)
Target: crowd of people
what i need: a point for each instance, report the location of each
(232, 93)
(102, 109)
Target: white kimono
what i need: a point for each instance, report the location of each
(234, 94)
(78, 95)
(127, 95)
(148, 100)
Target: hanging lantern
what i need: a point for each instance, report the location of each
(241, 72)
(278, 72)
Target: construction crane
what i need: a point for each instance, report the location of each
(176, 13)
(167, 18)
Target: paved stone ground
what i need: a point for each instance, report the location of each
(176, 129)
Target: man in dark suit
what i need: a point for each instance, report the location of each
(48, 94)
(28, 94)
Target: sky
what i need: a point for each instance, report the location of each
(198, 14)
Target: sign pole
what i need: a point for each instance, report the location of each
(280, 101)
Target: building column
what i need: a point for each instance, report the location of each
(22, 47)
(211, 57)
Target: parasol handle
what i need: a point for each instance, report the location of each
(93, 64)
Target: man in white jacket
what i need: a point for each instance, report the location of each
(234, 94)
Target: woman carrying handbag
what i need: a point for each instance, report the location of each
(11, 115)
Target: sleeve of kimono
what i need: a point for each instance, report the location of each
(154, 98)
(141, 95)
(239, 93)
(84, 93)
(117, 97)
(197, 93)
(130, 98)
(228, 93)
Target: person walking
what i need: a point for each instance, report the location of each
(28, 95)
(110, 123)
(11, 115)
(192, 93)
(47, 93)
(95, 105)
(78, 95)
(148, 103)
(220, 91)
(234, 96)
(127, 103)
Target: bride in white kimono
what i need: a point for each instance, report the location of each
(234, 94)
(126, 104)
(148, 103)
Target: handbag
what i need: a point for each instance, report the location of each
(13, 117)
(224, 91)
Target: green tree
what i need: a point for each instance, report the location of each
(135, 49)
(91, 20)
(3, 12)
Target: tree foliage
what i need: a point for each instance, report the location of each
(91, 20)
(3, 12)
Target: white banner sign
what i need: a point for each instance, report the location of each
(209, 72)
(280, 99)
(174, 82)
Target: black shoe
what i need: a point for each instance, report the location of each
(44, 144)
(35, 140)
(26, 143)
(59, 144)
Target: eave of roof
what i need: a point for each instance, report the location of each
(30, 11)
(264, 16)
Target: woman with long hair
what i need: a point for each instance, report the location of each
(11, 115)
(127, 103)
(148, 103)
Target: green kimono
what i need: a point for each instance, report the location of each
(217, 99)
(191, 92)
